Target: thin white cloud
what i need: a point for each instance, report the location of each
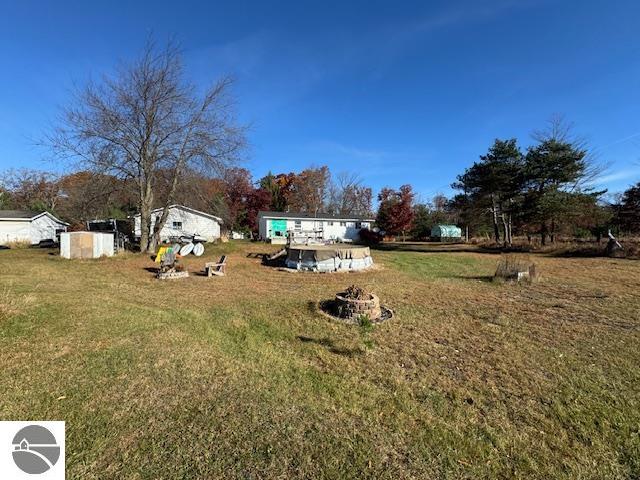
(350, 151)
(278, 71)
(625, 174)
(621, 140)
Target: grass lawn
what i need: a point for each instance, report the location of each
(241, 377)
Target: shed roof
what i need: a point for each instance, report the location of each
(186, 209)
(319, 216)
(26, 215)
(18, 214)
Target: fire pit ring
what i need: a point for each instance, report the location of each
(352, 310)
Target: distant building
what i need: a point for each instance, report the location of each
(183, 222)
(29, 227)
(446, 233)
(275, 226)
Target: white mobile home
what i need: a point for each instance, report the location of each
(29, 227)
(183, 221)
(275, 226)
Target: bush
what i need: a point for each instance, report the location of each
(17, 245)
(369, 237)
(515, 267)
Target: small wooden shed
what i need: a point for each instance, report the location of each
(86, 244)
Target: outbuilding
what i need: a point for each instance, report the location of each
(86, 245)
(446, 233)
(29, 227)
(276, 226)
(183, 222)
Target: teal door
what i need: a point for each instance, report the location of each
(278, 228)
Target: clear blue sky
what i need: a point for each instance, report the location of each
(405, 92)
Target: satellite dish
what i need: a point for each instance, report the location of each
(186, 250)
(198, 249)
(376, 229)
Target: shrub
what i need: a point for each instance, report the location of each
(515, 267)
(369, 237)
(18, 244)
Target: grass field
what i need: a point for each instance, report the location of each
(241, 377)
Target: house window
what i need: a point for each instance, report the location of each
(358, 225)
(298, 224)
(343, 224)
(177, 225)
(330, 224)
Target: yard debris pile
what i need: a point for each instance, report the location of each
(515, 268)
(170, 266)
(354, 292)
(614, 249)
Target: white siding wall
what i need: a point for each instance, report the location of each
(192, 223)
(346, 229)
(42, 228)
(11, 231)
(332, 229)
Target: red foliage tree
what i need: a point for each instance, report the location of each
(238, 187)
(395, 214)
(259, 199)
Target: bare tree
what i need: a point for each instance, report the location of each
(558, 128)
(348, 196)
(31, 189)
(148, 124)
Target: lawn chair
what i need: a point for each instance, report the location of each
(213, 268)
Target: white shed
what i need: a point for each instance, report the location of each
(86, 245)
(29, 227)
(184, 221)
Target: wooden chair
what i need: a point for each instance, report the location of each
(213, 268)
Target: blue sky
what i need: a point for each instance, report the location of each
(403, 92)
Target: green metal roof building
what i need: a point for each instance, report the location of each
(446, 232)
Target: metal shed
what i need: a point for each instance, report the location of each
(444, 233)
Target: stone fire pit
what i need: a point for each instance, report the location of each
(353, 304)
(352, 309)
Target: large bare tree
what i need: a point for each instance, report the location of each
(348, 195)
(148, 124)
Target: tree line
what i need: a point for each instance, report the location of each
(543, 191)
(234, 195)
(145, 138)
